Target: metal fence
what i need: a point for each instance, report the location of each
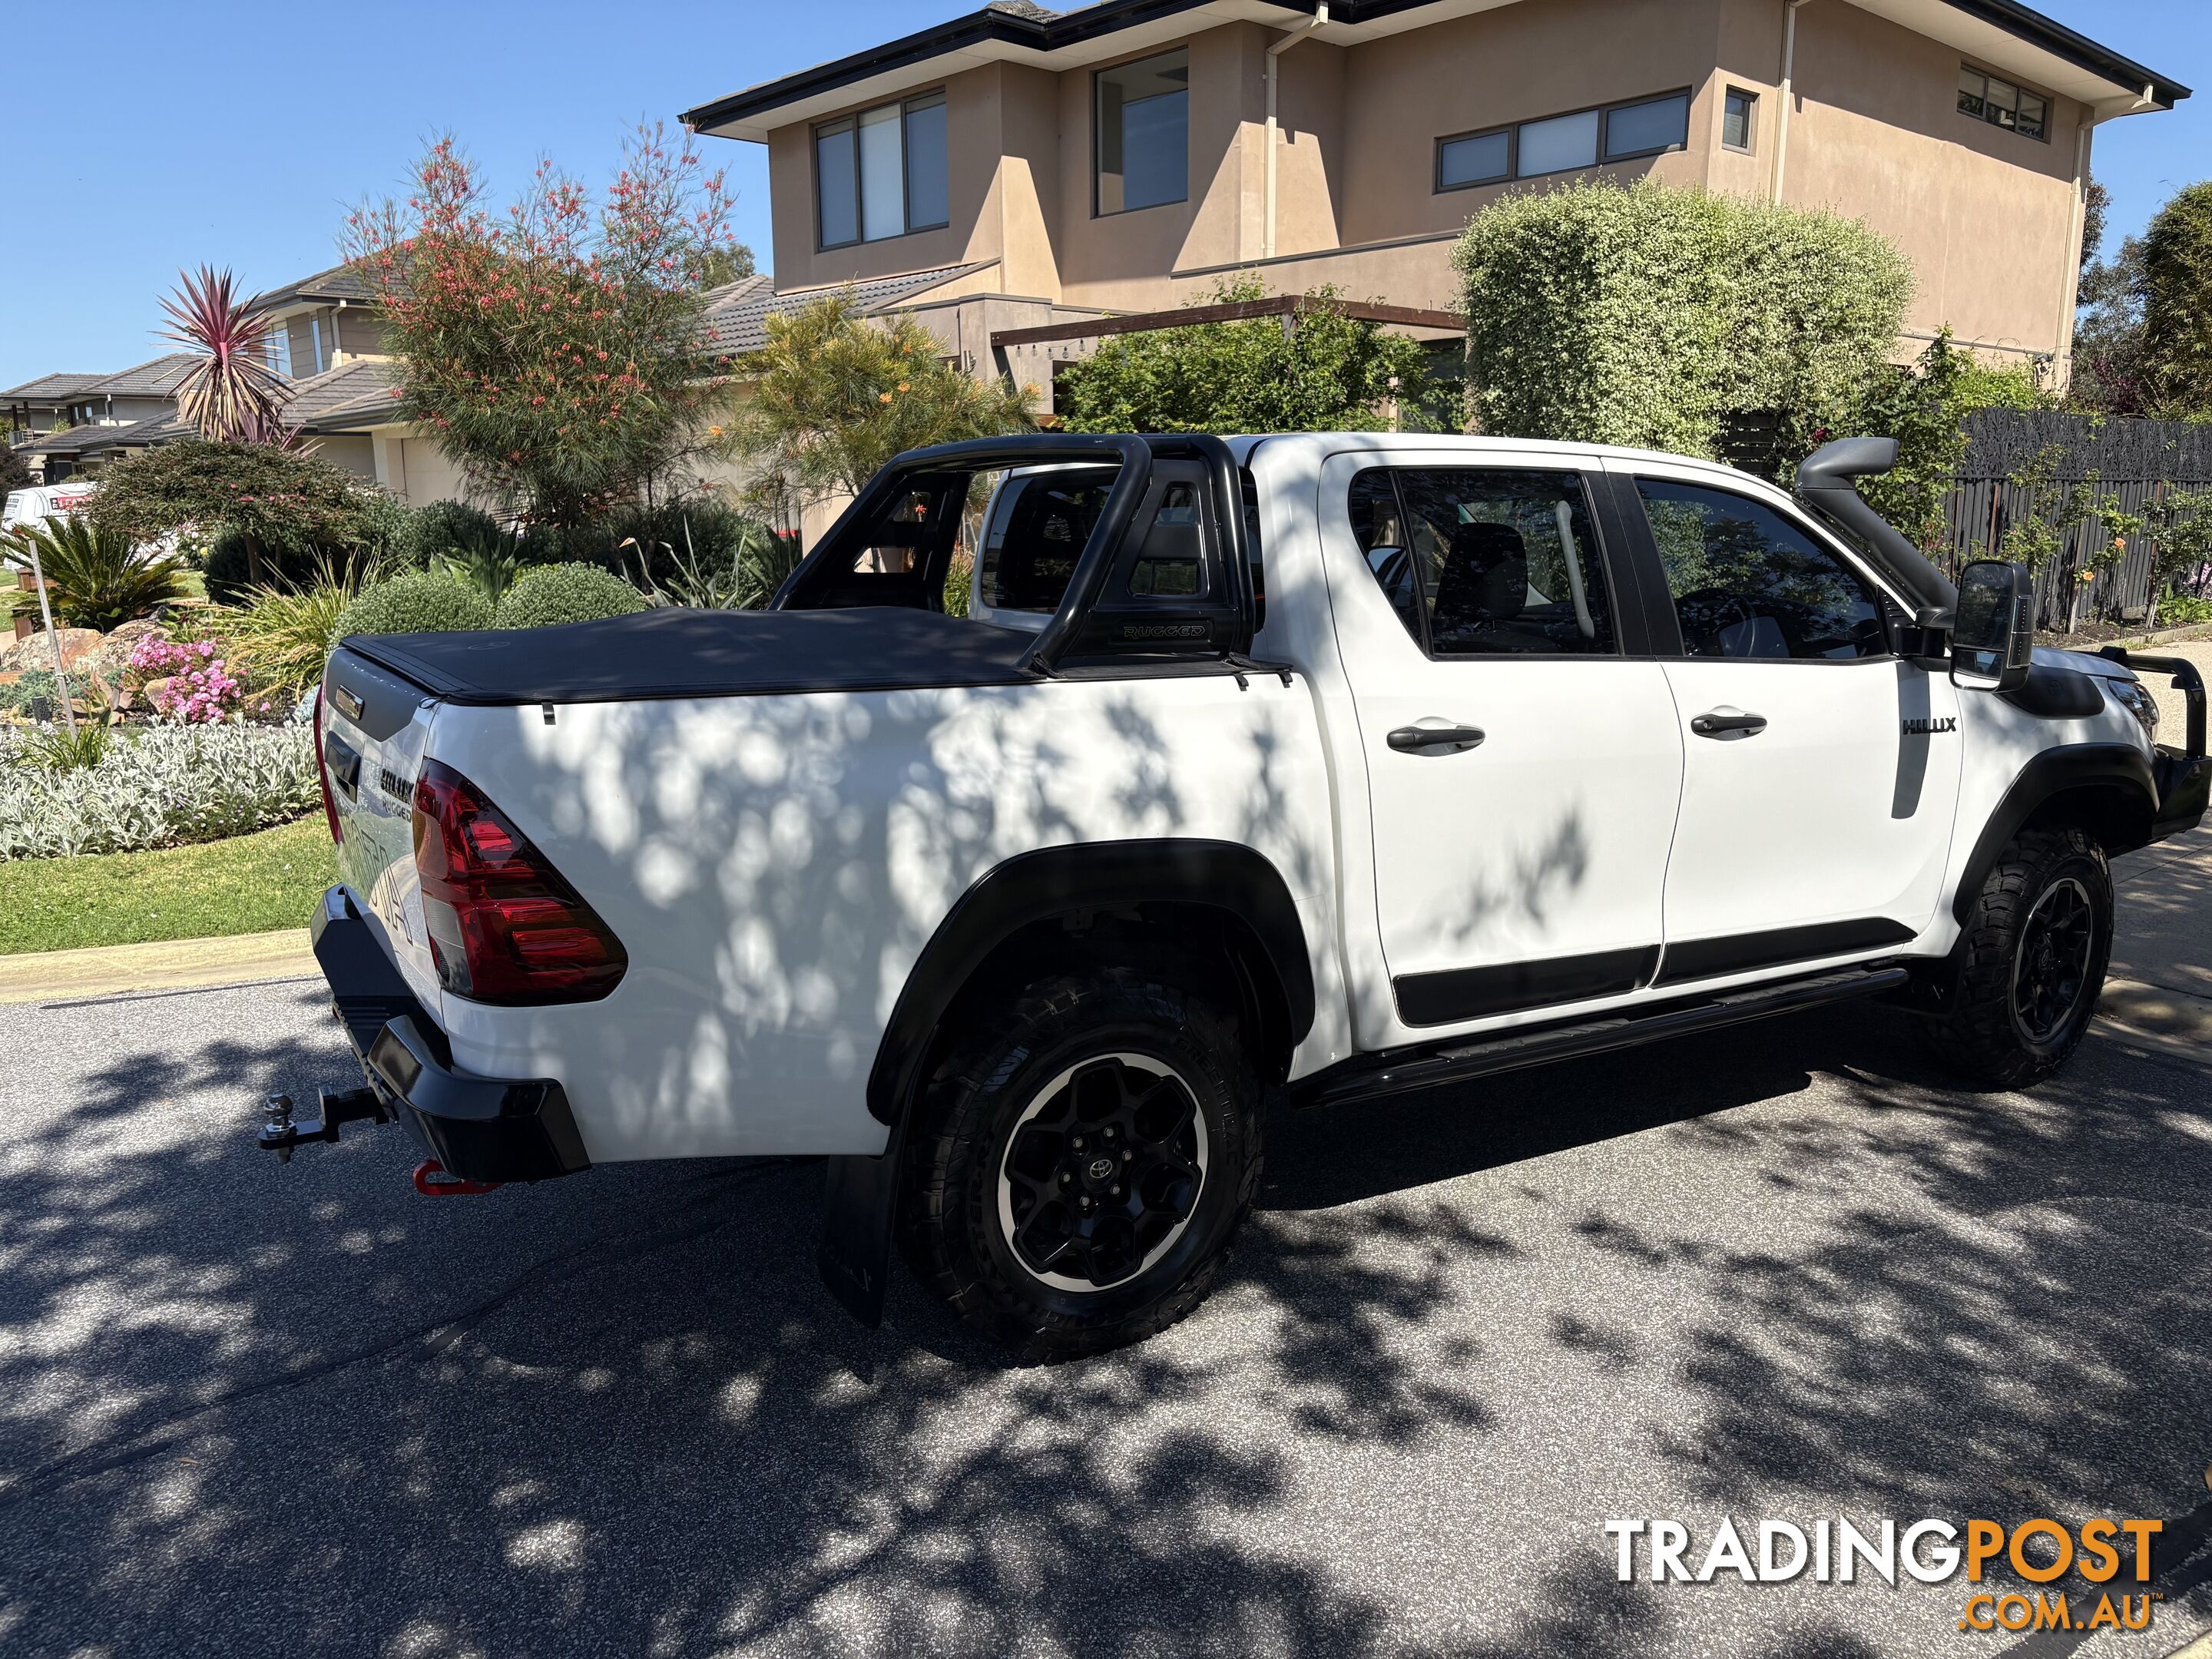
(1981, 510)
(2126, 464)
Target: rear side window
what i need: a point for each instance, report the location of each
(1486, 562)
(1038, 528)
(1747, 582)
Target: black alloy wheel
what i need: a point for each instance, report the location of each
(1102, 1172)
(2050, 965)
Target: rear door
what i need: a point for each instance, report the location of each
(1821, 770)
(1523, 761)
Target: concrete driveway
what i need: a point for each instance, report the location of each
(1786, 1272)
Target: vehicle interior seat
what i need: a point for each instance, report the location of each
(1481, 591)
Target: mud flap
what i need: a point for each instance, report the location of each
(859, 1209)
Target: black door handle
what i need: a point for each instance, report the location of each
(1720, 722)
(1422, 739)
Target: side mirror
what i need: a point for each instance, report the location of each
(1993, 630)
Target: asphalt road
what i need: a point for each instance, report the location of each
(1786, 1271)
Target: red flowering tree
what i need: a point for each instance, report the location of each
(554, 346)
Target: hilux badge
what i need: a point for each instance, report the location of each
(1922, 728)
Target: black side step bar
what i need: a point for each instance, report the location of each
(1401, 1070)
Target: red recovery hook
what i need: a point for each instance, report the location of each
(433, 1180)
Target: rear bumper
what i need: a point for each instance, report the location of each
(482, 1129)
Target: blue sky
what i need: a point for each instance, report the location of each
(239, 133)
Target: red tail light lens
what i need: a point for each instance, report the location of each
(504, 926)
(323, 776)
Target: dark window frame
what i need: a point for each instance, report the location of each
(1617, 649)
(1604, 112)
(1097, 170)
(2019, 90)
(850, 124)
(1750, 144)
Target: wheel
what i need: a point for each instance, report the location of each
(1082, 1164)
(2030, 964)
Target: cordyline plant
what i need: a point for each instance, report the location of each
(231, 394)
(554, 347)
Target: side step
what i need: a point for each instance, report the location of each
(1402, 1070)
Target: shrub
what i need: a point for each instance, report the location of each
(35, 685)
(444, 528)
(276, 499)
(555, 593)
(156, 789)
(1328, 374)
(420, 602)
(95, 578)
(282, 639)
(1644, 316)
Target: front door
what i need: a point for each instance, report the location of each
(1821, 770)
(1523, 768)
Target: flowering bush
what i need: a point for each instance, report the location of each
(553, 349)
(156, 788)
(197, 687)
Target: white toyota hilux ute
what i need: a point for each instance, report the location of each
(1292, 769)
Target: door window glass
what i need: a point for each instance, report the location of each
(1483, 562)
(1747, 582)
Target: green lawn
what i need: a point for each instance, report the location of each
(247, 885)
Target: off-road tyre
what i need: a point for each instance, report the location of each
(1993, 1027)
(1000, 1080)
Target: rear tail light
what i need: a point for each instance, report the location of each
(323, 776)
(504, 926)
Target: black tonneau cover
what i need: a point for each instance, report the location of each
(674, 653)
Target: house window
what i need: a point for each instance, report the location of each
(1563, 144)
(2003, 104)
(1739, 115)
(883, 172)
(1143, 133)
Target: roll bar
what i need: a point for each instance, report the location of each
(1824, 485)
(1132, 454)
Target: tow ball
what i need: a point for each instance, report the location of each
(280, 1133)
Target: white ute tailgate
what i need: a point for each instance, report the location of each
(374, 730)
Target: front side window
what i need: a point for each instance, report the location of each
(1747, 582)
(1480, 562)
(882, 172)
(1143, 133)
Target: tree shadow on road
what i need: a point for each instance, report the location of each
(304, 1411)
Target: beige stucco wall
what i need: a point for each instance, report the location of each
(1985, 217)
(352, 452)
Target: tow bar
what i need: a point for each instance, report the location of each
(280, 1135)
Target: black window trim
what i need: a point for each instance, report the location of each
(1609, 566)
(1750, 144)
(1968, 66)
(1630, 495)
(850, 121)
(1512, 130)
(1183, 200)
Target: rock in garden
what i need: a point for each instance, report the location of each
(113, 656)
(35, 651)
